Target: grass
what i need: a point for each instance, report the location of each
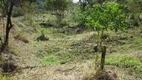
(57, 59)
(3, 77)
(124, 61)
(79, 48)
(22, 38)
(56, 54)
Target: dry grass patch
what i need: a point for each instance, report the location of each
(22, 37)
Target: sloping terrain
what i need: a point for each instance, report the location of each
(71, 56)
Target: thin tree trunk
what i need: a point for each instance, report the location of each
(9, 23)
(101, 38)
(8, 26)
(103, 57)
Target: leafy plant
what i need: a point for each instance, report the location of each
(101, 17)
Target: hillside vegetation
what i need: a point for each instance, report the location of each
(49, 42)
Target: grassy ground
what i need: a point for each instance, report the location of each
(69, 56)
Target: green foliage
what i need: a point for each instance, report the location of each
(134, 9)
(101, 17)
(5, 4)
(57, 4)
(124, 60)
(105, 16)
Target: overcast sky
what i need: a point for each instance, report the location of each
(75, 1)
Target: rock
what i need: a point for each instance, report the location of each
(42, 38)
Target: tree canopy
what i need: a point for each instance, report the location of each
(108, 15)
(101, 17)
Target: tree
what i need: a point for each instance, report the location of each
(105, 16)
(102, 17)
(7, 8)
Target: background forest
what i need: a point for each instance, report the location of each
(69, 40)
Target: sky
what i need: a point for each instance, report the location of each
(75, 1)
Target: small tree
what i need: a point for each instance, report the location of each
(102, 17)
(105, 16)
